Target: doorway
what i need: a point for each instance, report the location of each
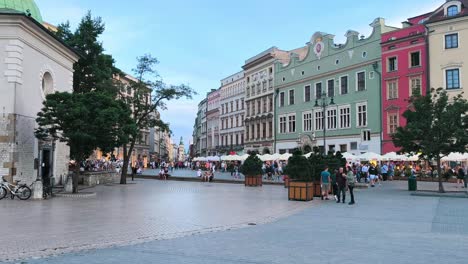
(45, 167)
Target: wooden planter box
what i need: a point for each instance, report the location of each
(318, 190)
(301, 191)
(253, 181)
(286, 181)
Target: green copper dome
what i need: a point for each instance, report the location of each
(22, 6)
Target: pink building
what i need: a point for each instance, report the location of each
(404, 73)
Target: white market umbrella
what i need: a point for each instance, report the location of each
(349, 157)
(285, 156)
(413, 158)
(266, 157)
(224, 158)
(370, 156)
(392, 156)
(276, 156)
(212, 158)
(455, 156)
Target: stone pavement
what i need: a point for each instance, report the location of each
(387, 225)
(192, 173)
(144, 211)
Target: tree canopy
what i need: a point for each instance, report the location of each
(436, 126)
(85, 122)
(145, 96)
(95, 70)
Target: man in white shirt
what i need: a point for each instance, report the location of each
(365, 172)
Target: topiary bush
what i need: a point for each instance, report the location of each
(299, 168)
(252, 165)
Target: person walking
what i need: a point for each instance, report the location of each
(460, 177)
(372, 175)
(341, 184)
(325, 183)
(334, 185)
(384, 171)
(365, 172)
(350, 180)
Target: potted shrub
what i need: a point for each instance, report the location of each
(252, 170)
(301, 185)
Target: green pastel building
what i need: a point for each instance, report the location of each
(331, 89)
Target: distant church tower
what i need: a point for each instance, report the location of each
(181, 151)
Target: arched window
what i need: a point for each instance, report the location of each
(452, 10)
(47, 83)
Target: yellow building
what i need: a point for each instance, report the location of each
(448, 47)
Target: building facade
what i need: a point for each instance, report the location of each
(332, 92)
(404, 74)
(199, 130)
(259, 100)
(33, 63)
(232, 114)
(448, 47)
(181, 151)
(212, 122)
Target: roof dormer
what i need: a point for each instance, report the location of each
(452, 8)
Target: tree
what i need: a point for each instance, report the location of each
(84, 122)
(147, 96)
(299, 168)
(95, 70)
(436, 126)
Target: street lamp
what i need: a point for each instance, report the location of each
(324, 105)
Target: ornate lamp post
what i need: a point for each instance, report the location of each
(323, 103)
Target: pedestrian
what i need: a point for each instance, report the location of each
(341, 184)
(384, 171)
(461, 177)
(350, 180)
(334, 185)
(372, 175)
(365, 172)
(325, 183)
(134, 171)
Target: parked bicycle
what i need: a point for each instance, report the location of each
(21, 191)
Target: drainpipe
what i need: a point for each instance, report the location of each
(375, 65)
(428, 76)
(274, 119)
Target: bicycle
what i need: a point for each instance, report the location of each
(21, 191)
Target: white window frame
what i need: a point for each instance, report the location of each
(411, 84)
(295, 124)
(444, 42)
(315, 119)
(396, 63)
(339, 80)
(409, 58)
(459, 78)
(310, 93)
(289, 97)
(311, 113)
(365, 81)
(329, 116)
(339, 116)
(388, 89)
(362, 135)
(334, 87)
(357, 114)
(315, 89)
(391, 114)
(279, 99)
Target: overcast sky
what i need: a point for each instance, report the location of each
(201, 42)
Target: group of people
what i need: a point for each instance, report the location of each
(339, 183)
(273, 170)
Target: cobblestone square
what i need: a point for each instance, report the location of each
(181, 222)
